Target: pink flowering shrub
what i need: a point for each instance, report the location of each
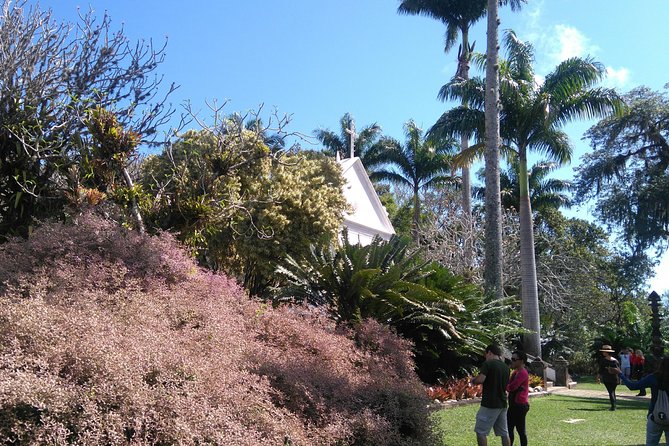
(109, 337)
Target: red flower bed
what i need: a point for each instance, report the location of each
(455, 389)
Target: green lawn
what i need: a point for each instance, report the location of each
(560, 419)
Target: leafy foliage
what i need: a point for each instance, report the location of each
(106, 158)
(419, 164)
(363, 142)
(354, 282)
(627, 171)
(457, 15)
(586, 285)
(113, 337)
(545, 193)
(532, 120)
(455, 389)
(51, 74)
(444, 316)
(237, 205)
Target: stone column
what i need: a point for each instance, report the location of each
(656, 336)
(562, 377)
(538, 367)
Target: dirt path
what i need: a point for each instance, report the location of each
(622, 393)
(587, 393)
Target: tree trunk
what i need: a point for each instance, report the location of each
(493, 207)
(468, 242)
(134, 206)
(416, 215)
(528, 268)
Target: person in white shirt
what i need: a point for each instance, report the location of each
(625, 365)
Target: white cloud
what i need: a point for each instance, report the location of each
(570, 42)
(533, 17)
(617, 78)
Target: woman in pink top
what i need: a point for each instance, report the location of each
(518, 388)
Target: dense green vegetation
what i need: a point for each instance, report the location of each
(75, 189)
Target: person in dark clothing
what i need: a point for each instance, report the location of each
(608, 375)
(519, 405)
(651, 364)
(494, 375)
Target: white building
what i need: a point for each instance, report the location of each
(368, 217)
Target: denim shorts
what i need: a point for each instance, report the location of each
(487, 419)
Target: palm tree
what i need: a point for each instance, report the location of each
(545, 193)
(532, 117)
(419, 164)
(341, 143)
(390, 283)
(493, 272)
(458, 16)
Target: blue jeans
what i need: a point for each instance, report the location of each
(654, 433)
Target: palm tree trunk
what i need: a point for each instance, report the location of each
(528, 268)
(463, 71)
(467, 220)
(493, 207)
(416, 214)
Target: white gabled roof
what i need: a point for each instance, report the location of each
(369, 217)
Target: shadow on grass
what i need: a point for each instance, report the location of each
(583, 403)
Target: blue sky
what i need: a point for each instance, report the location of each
(317, 60)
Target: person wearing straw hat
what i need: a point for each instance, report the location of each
(608, 373)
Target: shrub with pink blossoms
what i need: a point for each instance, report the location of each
(110, 337)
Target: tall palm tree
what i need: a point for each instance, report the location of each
(362, 142)
(532, 118)
(419, 164)
(493, 269)
(458, 16)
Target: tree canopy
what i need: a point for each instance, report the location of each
(419, 163)
(51, 74)
(627, 173)
(237, 205)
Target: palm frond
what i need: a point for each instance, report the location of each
(572, 76)
(520, 57)
(459, 121)
(552, 143)
(470, 92)
(593, 103)
(470, 155)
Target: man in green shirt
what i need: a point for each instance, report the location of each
(494, 375)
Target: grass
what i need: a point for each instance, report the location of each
(560, 419)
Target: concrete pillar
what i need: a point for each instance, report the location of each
(538, 367)
(562, 377)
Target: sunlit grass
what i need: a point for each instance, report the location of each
(560, 419)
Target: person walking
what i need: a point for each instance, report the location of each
(608, 375)
(656, 381)
(519, 389)
(494, 375)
